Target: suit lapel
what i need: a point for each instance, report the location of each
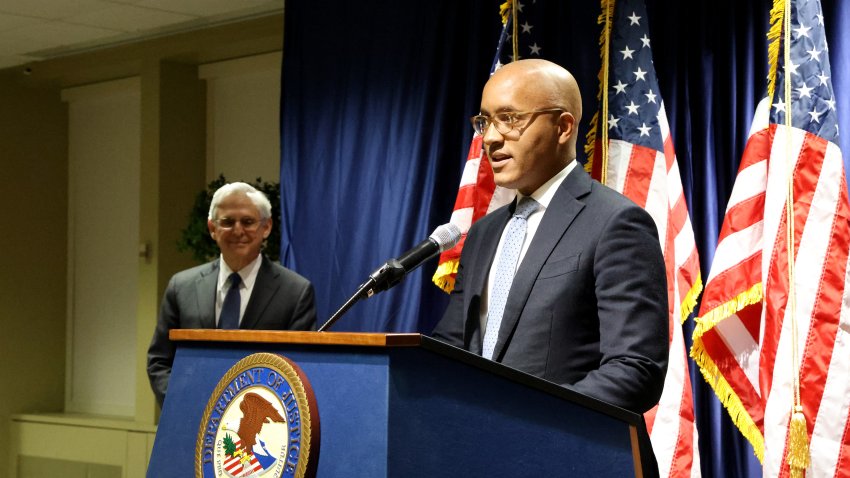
(205, 290)
(562, 210)
(265, 287)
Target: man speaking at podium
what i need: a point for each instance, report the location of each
(241, 290)
(567, 283)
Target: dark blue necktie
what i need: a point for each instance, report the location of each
(229, 318)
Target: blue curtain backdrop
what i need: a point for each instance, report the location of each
(374, 133)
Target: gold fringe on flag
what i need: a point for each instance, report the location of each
(505, 11)
(605, 19)
(444, 277)
(690, 300)
(715, 315)
(590, 137)
(774, 36)
(729, 399)
(725, 393)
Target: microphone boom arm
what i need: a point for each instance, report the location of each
(388, 275)
(394, 270)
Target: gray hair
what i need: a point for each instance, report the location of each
(261, 202)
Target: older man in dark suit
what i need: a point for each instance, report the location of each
(568, 282)
(241, 290)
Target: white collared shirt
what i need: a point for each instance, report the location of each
(248, 274)
(543, 195)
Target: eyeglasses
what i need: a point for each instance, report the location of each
(249, 224)
(507, 121)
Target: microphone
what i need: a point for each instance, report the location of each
(393, 271)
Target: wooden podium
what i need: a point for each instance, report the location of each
(406, 405)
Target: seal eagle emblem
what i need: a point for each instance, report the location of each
(261, 421)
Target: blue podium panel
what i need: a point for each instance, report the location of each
(409, 411)
(351, 395)
(450, 419)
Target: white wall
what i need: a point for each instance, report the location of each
(243, 117)
(103, 239)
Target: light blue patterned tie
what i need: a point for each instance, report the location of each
(229, 318)
(506, 266)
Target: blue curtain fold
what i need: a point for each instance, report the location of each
(375, 102)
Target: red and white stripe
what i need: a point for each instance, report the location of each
(651, 179)
(233, 465)
(744, 339)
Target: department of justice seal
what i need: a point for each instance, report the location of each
(261, 421)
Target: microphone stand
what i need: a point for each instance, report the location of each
(394, 270)
(382, 279)
(347, 305)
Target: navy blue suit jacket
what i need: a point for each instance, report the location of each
(588, 306)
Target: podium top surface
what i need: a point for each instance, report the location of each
(297, 337)
(389, 341)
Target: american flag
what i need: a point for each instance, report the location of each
(641, 164)
(752, 344)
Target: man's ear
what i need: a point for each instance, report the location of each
(211, 228)
(566, 127)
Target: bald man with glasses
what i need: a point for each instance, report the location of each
(566, 283)
(242, 289)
